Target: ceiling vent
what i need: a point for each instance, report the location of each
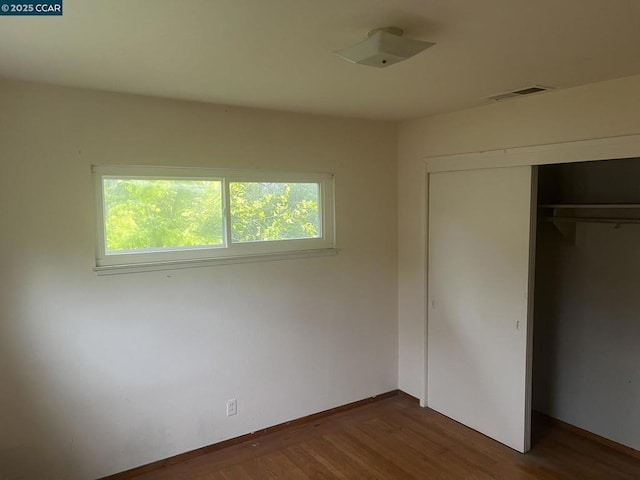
(522, 92)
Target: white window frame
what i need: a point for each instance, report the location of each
(229, 252)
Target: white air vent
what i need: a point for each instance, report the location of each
(522, 92)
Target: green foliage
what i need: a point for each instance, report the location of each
(147, 214)
(273, 211)
(155, 214)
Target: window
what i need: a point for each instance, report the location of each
(159, 216)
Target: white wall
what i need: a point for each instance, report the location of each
(593, 111)
(101, 374)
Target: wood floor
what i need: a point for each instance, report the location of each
(396, 439)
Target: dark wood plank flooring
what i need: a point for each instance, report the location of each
(396, 439)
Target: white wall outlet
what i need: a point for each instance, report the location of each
(232, 407)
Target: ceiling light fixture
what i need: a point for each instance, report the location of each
(385, 46)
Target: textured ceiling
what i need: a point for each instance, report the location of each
(277, 54)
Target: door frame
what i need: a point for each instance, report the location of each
(609, 148)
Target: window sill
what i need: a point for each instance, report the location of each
(210, 262)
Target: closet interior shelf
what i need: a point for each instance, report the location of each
(591, 205)
(613, 213)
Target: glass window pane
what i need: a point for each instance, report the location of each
(154, 214)
(274, 211)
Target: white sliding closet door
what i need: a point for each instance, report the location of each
(480, 266)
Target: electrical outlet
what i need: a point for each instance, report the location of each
(232, 407)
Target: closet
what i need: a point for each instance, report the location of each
(586, 334)
(533, 289)
(479, 277)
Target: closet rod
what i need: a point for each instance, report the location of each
(617, 221)
(591, 205)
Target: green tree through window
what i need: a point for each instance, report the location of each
(151, 214)
(163, 217)
(273, 211)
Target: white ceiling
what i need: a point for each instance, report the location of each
(277, 54)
